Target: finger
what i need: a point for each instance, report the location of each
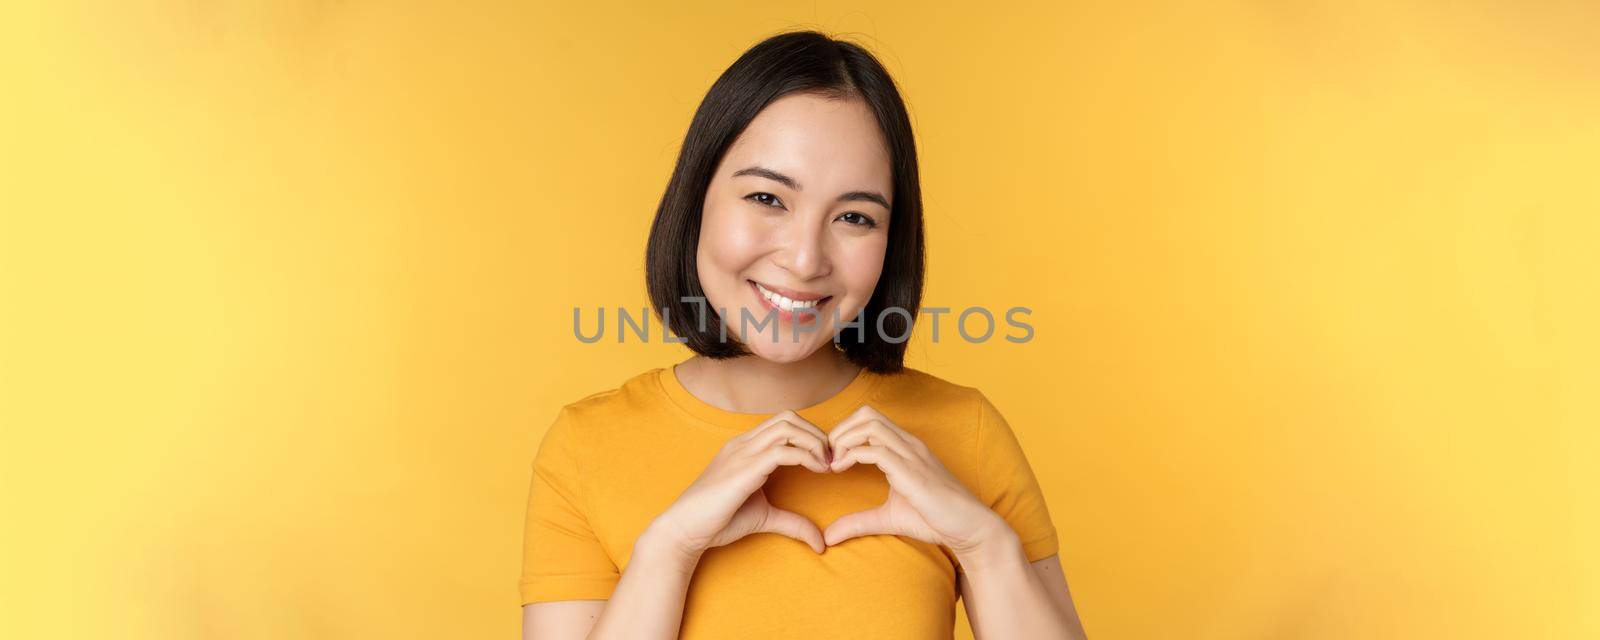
(862, 414)
(892, 425)
(794, 418)
(772, 458)
(844, 428)
(793, 525)
(873, 433)
(865, 415)
(782, 416)
(892, 464)
(871, 522)
(788, 434)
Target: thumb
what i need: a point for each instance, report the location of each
(794, 525)
(861, 523)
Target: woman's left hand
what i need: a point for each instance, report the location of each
(925, 501)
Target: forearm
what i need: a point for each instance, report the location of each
(648, 600)
(1007, 591)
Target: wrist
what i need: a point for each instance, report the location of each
(661, 541)
(996, 542)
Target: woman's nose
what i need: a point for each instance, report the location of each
(805, 253)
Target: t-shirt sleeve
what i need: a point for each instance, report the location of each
(1006, 483)
(562, 558)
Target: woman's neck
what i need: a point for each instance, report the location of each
(751, 384)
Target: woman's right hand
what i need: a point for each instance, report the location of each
(727, 503)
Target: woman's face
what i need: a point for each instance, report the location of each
(796, 223)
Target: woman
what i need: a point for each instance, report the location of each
(884, 493)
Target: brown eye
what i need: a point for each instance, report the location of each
(859, 220)
(765, 198)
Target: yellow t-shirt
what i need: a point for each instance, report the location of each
(615, 460)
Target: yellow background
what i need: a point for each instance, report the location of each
(286, 294)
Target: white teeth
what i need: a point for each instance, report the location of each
(785, 303)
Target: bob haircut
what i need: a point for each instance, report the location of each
(794, 62)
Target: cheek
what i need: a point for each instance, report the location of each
(860, 266)
(728, 245)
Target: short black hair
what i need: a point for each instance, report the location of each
(792, 62)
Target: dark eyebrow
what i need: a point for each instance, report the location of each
(768, 174)
(865, 196)
(853, 196)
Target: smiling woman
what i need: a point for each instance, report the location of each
(801, 159)
(887, 494)
(796, 246)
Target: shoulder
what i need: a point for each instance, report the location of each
(949, 406)
(578, 425)
(930, 390)
(959, 406)
(585, 423)
(632, 395)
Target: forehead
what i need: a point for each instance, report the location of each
(835, 145)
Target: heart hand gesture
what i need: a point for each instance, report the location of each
(727, 503)
(925, 501)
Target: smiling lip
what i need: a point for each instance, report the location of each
(791, 293)
(785, 315)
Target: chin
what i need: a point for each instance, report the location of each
(782, 352)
